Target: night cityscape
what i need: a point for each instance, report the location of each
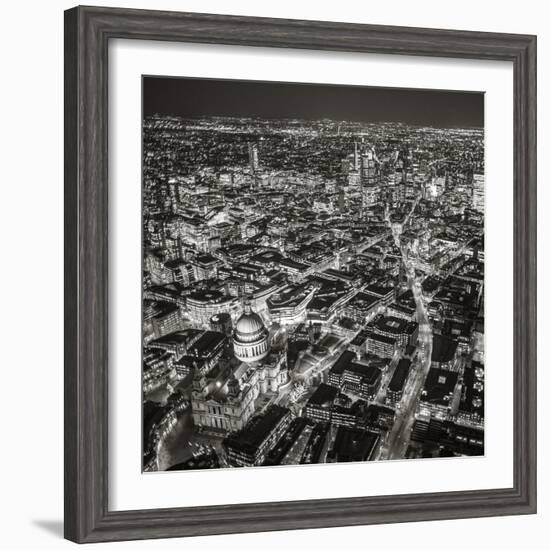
(313, 288)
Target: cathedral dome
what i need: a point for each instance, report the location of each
(249, 327)
(250, 336)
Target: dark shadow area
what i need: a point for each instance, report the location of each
(51, 526)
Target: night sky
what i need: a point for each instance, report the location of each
(190, 97)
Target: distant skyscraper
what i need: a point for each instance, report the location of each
(368, 167)
(341, 201)
(253, 157)
(370, 190)
(173, 194)
(478, 192)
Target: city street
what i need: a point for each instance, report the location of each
(398, 439)
(386, 379)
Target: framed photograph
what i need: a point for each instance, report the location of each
(300, 274)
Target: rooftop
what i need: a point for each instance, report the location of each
(257, 430)
(207, 342)
(400, 375)
(369, 373)
(444, 349)
(439, 385)
(342, 362)
(363, 300)
(393, 325)
(323, 396)
(379, 290)
(354, 445)
(382, 338)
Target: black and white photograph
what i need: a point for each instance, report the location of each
(274, 275)
(313, 273)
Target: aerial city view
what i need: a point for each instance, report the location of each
(313, 287)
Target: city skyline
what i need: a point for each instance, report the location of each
(313, 289)
(196, 97)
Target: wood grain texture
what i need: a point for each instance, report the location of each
(87, 33)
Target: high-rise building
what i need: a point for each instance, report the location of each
(368, 167)
(253, 157)
(350, 169)
(478, 192)
(369, 184)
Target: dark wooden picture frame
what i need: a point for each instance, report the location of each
(87, 34)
